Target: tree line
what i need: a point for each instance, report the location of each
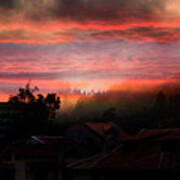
(51, 102)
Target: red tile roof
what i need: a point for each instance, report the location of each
(153, 158)
(156, 135)
(102, 128)
(120, 159)
(148, 154)
(99, 128)
(151, 155)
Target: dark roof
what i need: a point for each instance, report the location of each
(41, 145)
(50, 140)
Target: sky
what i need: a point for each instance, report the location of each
(88, 44)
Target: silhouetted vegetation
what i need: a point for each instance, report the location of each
(35, 111)
(26, 96)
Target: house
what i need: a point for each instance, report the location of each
(96, 137)
(34, 158)
(150, 154)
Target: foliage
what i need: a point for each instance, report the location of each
(26, 95)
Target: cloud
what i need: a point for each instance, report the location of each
(141, 33)
(35, 37)
(66, 21)
(87, 61)
(8, 4)
(26, 76)
(98, 10)
(89, 43)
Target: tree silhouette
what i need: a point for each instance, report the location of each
(48, 104)
(40, 99)
(53, 103)
(161, 100)
(24, 95)
(109, 114)
(14, 100)
(160, 109)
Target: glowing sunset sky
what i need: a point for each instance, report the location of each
(88, 43)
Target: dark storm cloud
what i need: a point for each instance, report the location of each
(54, 21)
(122, 10)
(82, 10)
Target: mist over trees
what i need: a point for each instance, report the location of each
(131, 110)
